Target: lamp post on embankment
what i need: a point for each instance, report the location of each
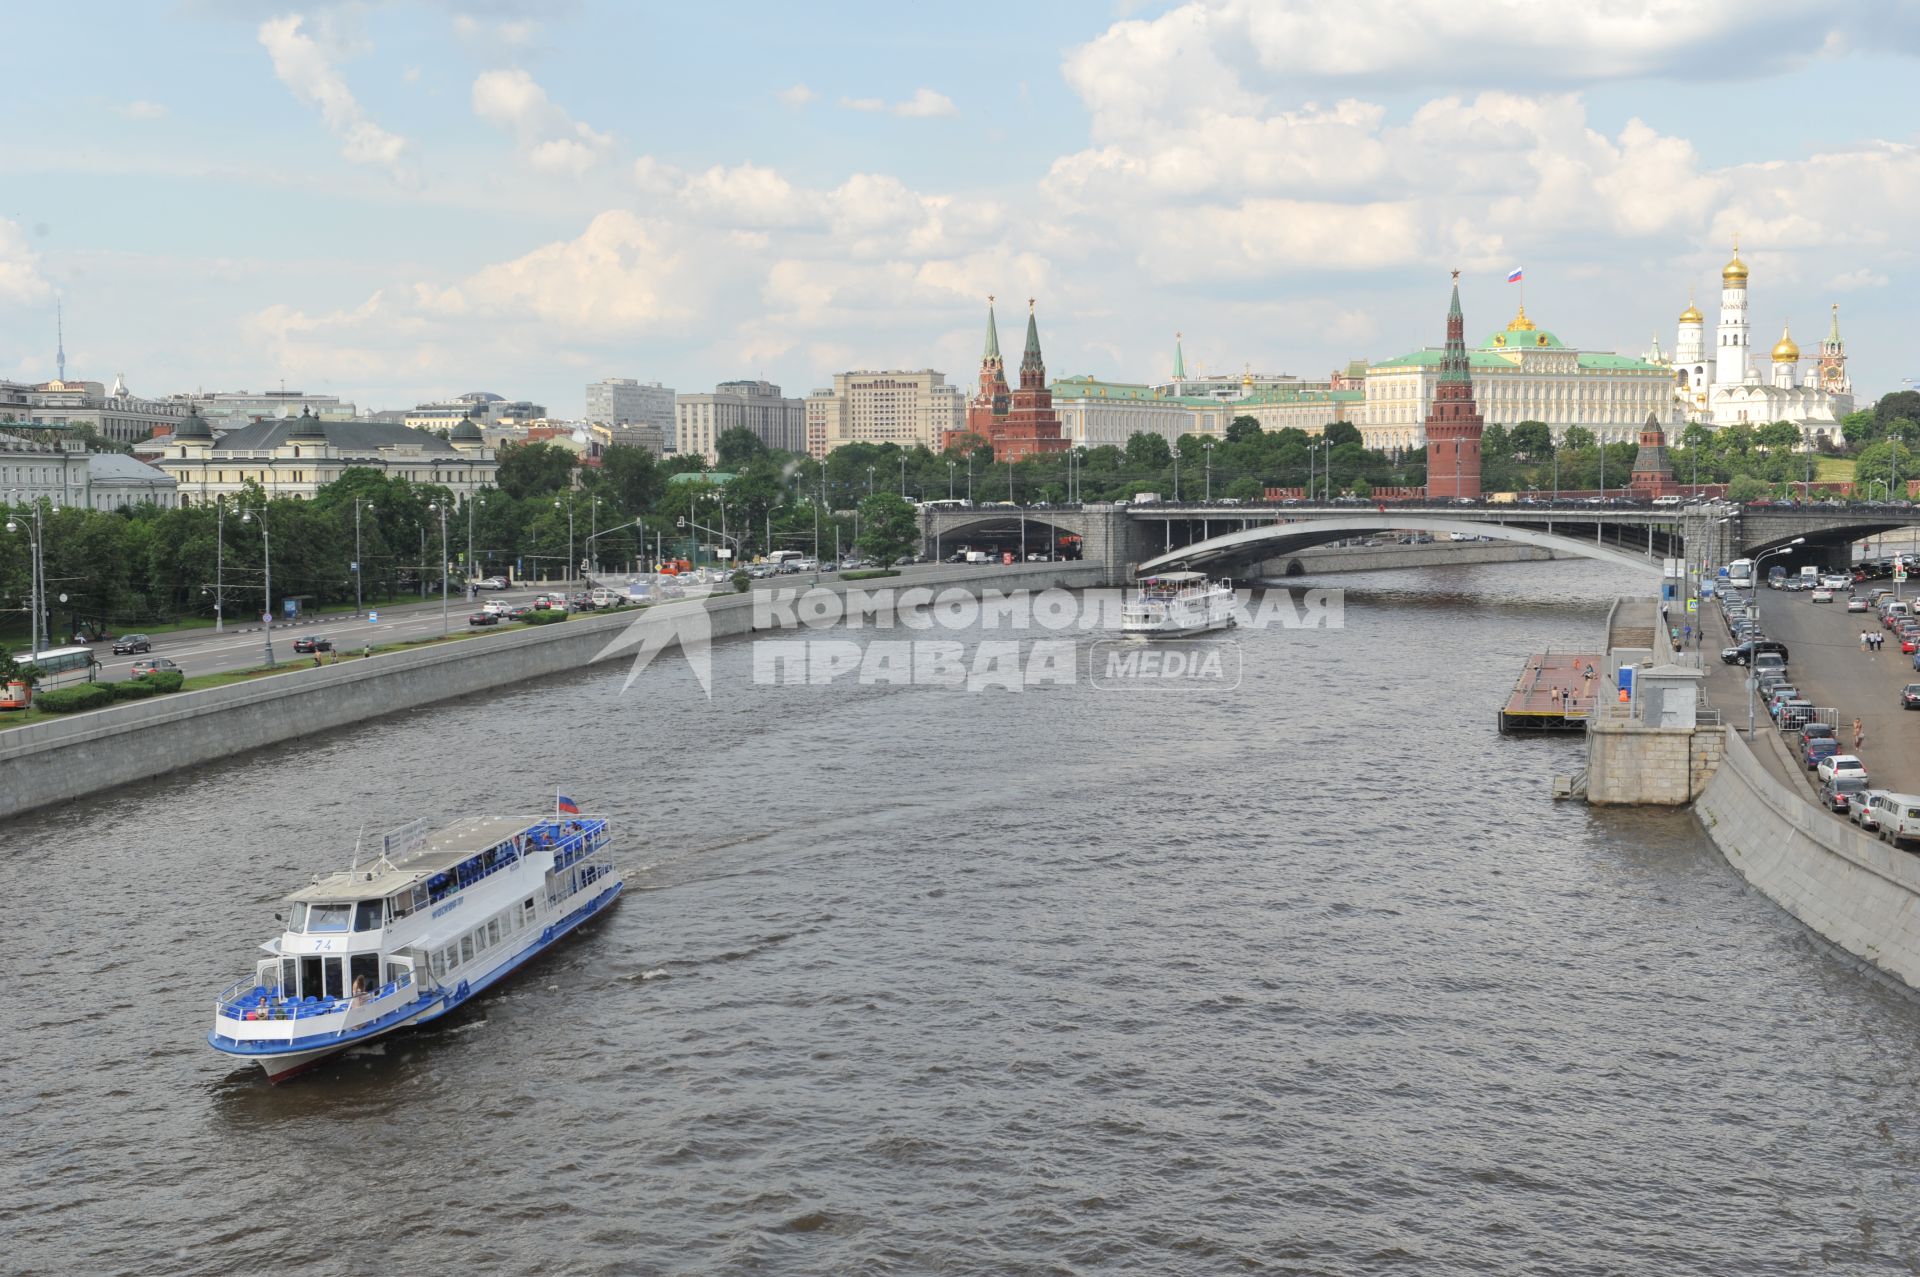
(1752, 680)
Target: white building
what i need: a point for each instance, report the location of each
(700, 420)
(114, 413)
(1520, 373)
(622, 401)
(1094, 413)
(53, 470)
(1722, 386)
(298, 456)
(230, 409)
(898, 406)
(115, 480)
(484, 407)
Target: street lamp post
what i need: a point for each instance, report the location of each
(556, 505)
(1176, 472)
(359, 564)
(951, 467)
(903, 476)
(471, 501)
(266, 559)
(440, 507)
(969, 477)
(219, 564)
(1758, 559)
(36, 592)
(870, 470)
(1208, 445)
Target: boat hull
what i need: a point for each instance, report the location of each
(1173, 630)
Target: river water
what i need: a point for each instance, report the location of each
(1309, 976)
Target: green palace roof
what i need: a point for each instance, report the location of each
(1090, 387)
(1507, 360)
(1535, 338)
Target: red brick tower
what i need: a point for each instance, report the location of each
(988, 407)
(1652, 469)
(1030, 425)
(1454, 425)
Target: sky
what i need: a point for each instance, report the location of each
(397, 202)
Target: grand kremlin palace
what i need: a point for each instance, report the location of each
(1521, 373)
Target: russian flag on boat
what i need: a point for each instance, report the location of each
(1513, 277)
(565, 806)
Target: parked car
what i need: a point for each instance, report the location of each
(1899, 817)
(151, 665)
(1745, 652)
(1810, 730)
(1793, 715)
(307, 644)
(1860, 809)
(1837, 792)
(1840, 765)
(1816, 749)
(484, 618)
(129, 644)
(1910, 696)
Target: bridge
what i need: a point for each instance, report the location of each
(1254, 539)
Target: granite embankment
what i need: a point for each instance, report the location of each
(66, 758)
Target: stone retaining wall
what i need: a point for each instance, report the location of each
(1857, 892)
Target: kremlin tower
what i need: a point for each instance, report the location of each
(1016, 423)
(1454, 424)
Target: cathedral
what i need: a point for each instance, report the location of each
(1720, 386)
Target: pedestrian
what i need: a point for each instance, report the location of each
(1554, 695)
(1859, 735)
(1863, 640)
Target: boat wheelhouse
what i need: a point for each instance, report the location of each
(437, 918)
(1177, 604)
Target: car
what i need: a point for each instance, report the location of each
(129, 644)
(521, 610)
(484, 618)
(1856, 604)
(1816, 749)
(1838, 791)
(1811, 730)
(1821, 594)
(151, 665)
(1774, 696)
(1909, 642)
(308, 644)
(1792, 715)
(1840, 765)
(491, 583)
(1910, 696)
(1744, 653)
(1861, 810)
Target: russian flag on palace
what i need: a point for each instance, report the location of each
(565, 806)
(1514, 277)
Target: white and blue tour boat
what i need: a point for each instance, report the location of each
(1177, 605)
(439, 917)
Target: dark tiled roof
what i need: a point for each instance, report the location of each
(346, 436)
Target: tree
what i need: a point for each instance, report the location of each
(1746, 487)
(1532, 440)
(888, 528)
(1339, 433)
(1246, 489)
(1777, 434)
(1243, 429)
(737, 447)
(533, 469)
(630, 477)
(1148, 451)
(1900, 405)
(1496, 442)
(1888, 458)
(1575, 438)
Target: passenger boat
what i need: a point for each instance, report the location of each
(1177, 604)
(439, 917)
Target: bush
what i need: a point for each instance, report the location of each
(544, 616)
(742, 583)
(163, 680)
(68, 700)
(132, 690)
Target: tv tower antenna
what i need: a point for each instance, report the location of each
(59, 340)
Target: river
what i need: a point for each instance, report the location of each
(1306, 976)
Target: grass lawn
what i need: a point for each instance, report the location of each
(1833, 470)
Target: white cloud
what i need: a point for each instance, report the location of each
(144, 110)
(549, 139)
(308, 72)
(20, 277)
(798, 95)
(1857, 279)
(923, 105)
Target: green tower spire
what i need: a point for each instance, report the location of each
(993, 333)
(1179, 359)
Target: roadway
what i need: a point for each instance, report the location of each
(1827, 665)
(201, 651)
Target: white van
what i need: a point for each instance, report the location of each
(1669, 499)
(1898, 816)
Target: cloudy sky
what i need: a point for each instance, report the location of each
(401, 201)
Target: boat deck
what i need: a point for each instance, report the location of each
(1532, 705)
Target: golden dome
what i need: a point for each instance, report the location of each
(1734, 273)
(1521, 324)
(1692, 315)
(1784, 351)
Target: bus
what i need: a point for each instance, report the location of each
(53, 662)
(947, 503)
(1740, 574)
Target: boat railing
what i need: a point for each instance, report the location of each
(247, 1000)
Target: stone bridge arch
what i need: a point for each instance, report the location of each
(1231, 553)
